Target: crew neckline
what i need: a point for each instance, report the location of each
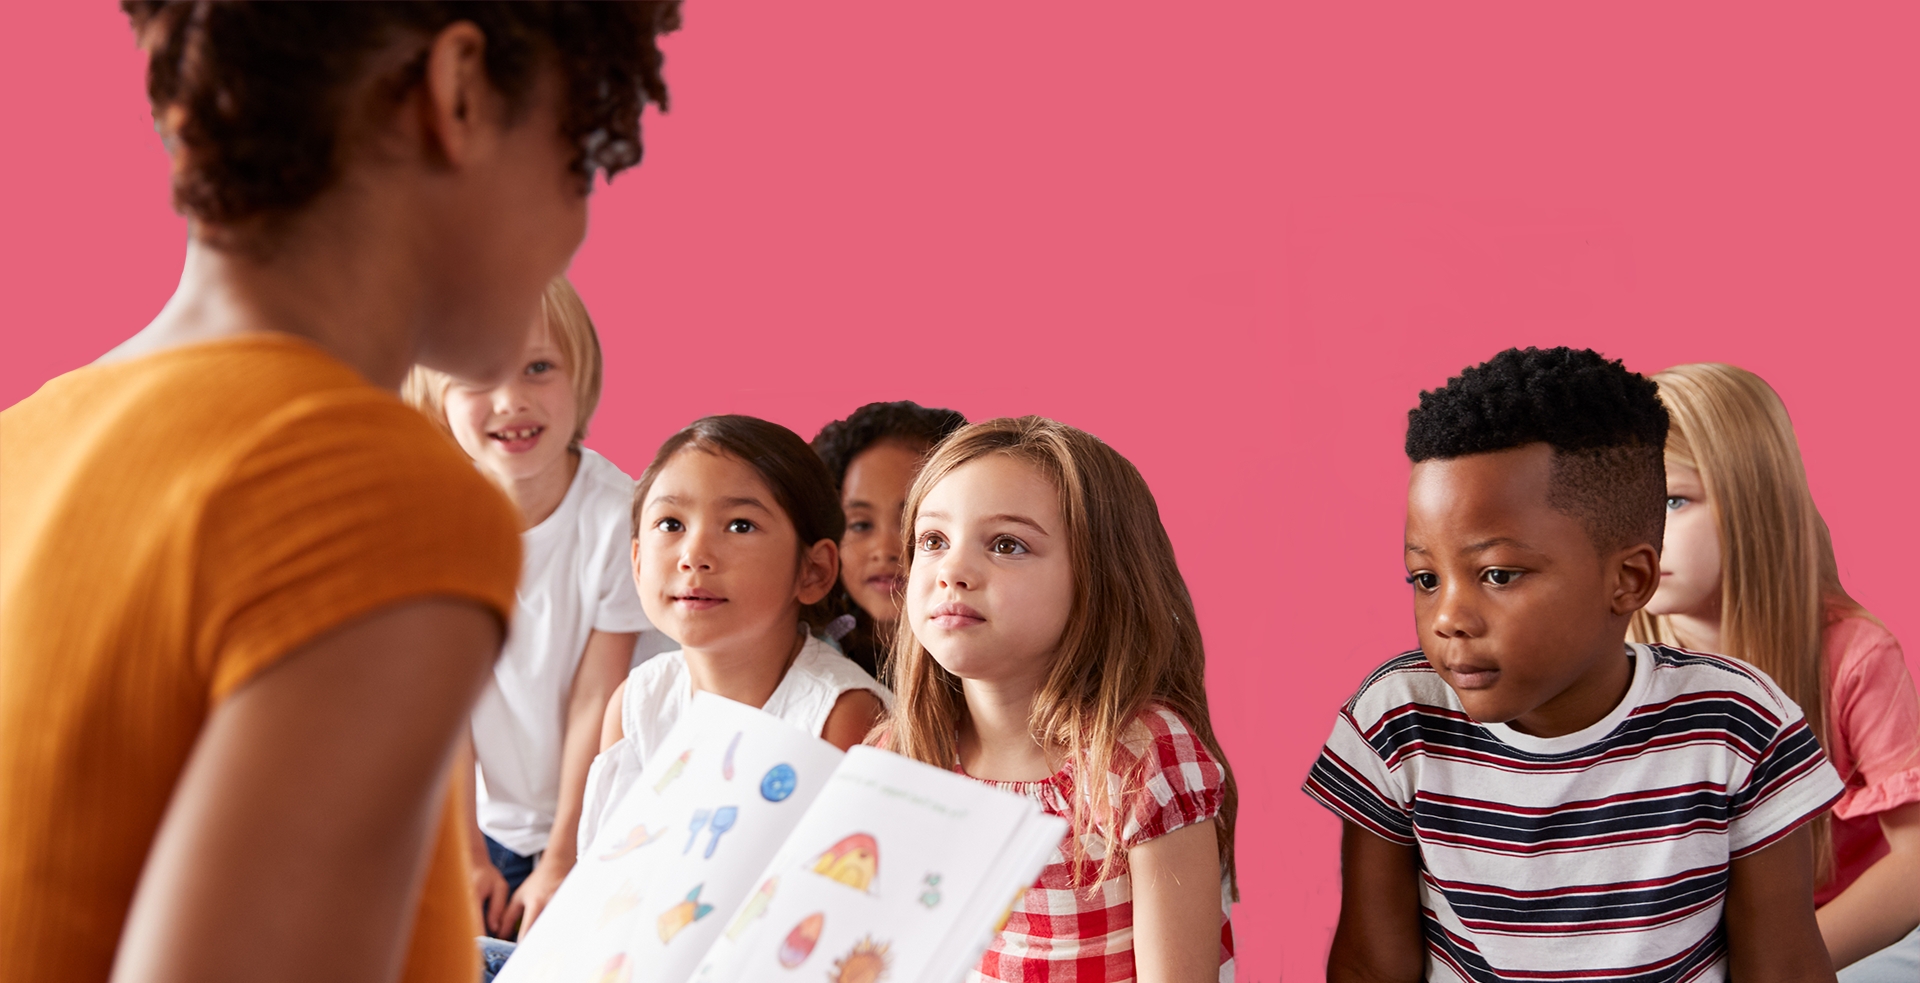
(1642, 678)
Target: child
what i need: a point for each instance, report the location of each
(1528, 797)
(873, 455)
(735, 533)
(1748, 571)
(1053, 652)
(575, 626)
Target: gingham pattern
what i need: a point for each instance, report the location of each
(1062, 934)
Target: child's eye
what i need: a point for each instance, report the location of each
(669, 525)
(931, 541)
(1501, 578)
(1424, 580)
(1675, 503)
(1007, 546)
(538, 367)
(739, 525)
(860, 526)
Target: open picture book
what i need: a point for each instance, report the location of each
(750, 850)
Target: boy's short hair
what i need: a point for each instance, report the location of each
(1606, 425)
(572, 332)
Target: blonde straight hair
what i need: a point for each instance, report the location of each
(1778, 578)
(1131, 638)
(572, 332)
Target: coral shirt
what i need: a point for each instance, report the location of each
(170, 526)
(1874, 716)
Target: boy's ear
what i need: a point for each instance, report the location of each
(819, 568)
(1636, 571)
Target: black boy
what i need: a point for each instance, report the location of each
(1527, 796)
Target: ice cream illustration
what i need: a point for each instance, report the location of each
(755, 907)
(683, 914)
(673, 771)
(853, 861)
(800, 942)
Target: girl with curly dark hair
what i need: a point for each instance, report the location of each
(250, 594)
(873, 455)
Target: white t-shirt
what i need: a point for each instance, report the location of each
(659, 691)
(576, 577)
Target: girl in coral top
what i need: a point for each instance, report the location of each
(1748, 571)
(1051, 650)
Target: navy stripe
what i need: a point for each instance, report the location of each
(1598, 908)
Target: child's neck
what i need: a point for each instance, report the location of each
(749, 670)
(539, 495)
(1697, 632)
(996, 740)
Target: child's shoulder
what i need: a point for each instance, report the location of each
(1682, 673)
(1160, 738)
(657, 673)
(601, 485)
(1406, 679)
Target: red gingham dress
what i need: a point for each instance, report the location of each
(1060, 934)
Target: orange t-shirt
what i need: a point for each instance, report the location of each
(170, 526)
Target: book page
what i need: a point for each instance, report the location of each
(889, 863)
(680, 852)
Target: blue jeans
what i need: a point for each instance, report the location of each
(493, 957)
(511, 866)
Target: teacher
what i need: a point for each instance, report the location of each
(249, 596)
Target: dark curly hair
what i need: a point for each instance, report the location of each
(791, 470)
(1606, 425)
(839, 442)
(255, 93)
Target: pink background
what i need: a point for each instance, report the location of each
(1234, 239)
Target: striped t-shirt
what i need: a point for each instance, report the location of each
(1601, 854)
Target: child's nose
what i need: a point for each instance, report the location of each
(1455, 615)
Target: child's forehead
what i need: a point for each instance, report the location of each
(698, 475)
(1482, 497)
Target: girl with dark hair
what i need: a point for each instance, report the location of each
(873, 455)
(250, 595)
(735, 549)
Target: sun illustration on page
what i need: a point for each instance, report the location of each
(854, 861)
(866, 963)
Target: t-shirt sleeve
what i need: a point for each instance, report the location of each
(1877, 713)
(1175, 781)
(342, 505)
(1790, 782)
(617, 603)
(1352, 780)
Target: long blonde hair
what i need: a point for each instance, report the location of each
(571, 329)
(1778, 577)
(1131, 638)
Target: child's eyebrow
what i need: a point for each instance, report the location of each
(1021, 519)
(747, 502)
(1487, 544)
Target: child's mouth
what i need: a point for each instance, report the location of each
(698, 600)
(887, 584)
(517, 439)
(1473, 677)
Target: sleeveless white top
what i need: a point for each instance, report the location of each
(660, 690)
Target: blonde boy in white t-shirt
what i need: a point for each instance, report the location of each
(578, 626)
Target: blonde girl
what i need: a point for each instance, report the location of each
(577, 625)
(1748, 570)
(1049, 648)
